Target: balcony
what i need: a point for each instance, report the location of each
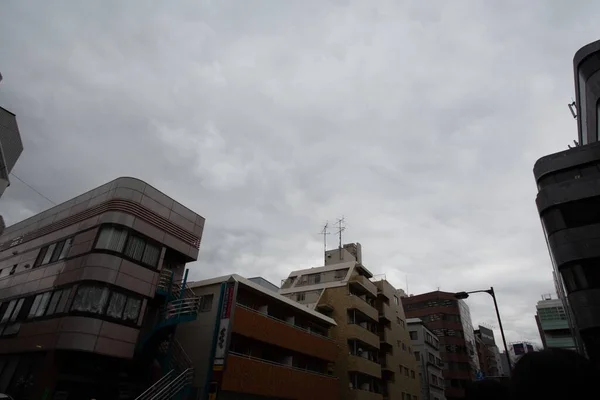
(385, 337)
(364, 366)
(361, 305)
(386, 312)
(259, 326)
(357, 394)
(386, 363)
(362, 283)
(355, 331)
(245, 374)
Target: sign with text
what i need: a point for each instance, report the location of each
(223, 329)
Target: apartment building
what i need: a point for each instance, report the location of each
(375, 359)
(426, 347)
(91, 291)
(252, 343)
(450, 320)
(553, 324)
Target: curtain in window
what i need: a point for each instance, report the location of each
(132, 309)
(151, 255)
(90, 299)
(112, 238)
(116, 305)
(135, 248)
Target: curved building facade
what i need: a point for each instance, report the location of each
(91, 289)
(568, 203)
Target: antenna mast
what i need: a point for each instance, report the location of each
(325, 233)
(341, 228)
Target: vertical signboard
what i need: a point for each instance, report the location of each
(224, 325)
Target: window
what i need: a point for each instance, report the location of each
(412, 374)
(396, 301)
(40, 303)
(100, 300)
(300, 296)
(404, 347)
(414, 335)
(206, 303)
(400, 321)
(13, 269)
(58, 301)
(417, 355)
(91, 299)
(131, 245)
(434, 379)
(431, 358)
(414, 397)
(340, 274)
(406, 371)
(9, 310)
(112, 238)
(53, 252)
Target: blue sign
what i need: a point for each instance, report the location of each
(479, 376)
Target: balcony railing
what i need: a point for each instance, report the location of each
(280, 364)
(365, 283)
(283, 322)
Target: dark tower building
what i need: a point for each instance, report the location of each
(568, 202)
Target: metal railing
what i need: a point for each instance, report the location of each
(165, 283)
(168, 386)
(180, 360)
(283, 321)
(181, 307)
(156, 387)
(262, 360)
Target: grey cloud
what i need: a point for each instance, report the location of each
(420, 123)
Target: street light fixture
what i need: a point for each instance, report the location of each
(490, 291)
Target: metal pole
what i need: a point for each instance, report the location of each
(501, 330)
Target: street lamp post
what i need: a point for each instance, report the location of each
(490, 291)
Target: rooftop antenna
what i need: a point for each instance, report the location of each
(406, 277)
(341, 228)
(325, 233)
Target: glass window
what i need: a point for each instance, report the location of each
(132, 309)
(206, 303)
(65, 249)
(116, 305)
(53, 302)
(414, 335)
(151, 255)
(34, 306)
(112, 238)
(581, 108)
(45, 299)
(17, 309)
(9, 310)
(417, 355)
(40, 257)
(90, 299)
(396, 301)
(61, 307)
(48, 255)
(57, 251)
(135, 247)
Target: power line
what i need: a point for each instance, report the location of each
(32, 188)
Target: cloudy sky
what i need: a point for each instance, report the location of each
(418, 121)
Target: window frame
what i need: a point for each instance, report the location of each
(129, 234)
(57, 254)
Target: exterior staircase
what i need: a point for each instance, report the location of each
(176, 382)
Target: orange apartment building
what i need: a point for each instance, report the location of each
(251, 343)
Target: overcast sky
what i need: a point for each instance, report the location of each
(418, 121)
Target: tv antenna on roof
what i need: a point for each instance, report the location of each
(341, 228)
(325, 233)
